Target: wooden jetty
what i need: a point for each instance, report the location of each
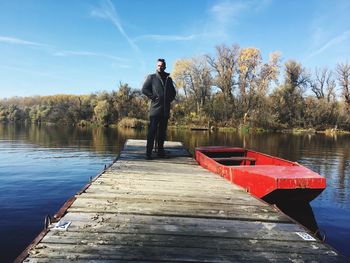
(171, 210)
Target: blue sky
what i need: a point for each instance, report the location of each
(79, 47)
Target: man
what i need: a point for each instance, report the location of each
(159, 88)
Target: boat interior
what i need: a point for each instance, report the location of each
(241, 156)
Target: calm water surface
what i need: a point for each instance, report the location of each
(41, 167)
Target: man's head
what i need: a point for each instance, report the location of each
(161, 65)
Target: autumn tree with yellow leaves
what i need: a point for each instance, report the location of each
(254, 82)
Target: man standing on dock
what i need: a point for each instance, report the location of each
(159, 88)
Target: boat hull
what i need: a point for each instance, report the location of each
(269, 178)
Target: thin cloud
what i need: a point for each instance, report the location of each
(65, 53)
(226, 12)
(334, 41)
(18, 41)
(30, 71)
(107, 11)
(167, 37)
(124, 66)
(222, 16)
(261, 5)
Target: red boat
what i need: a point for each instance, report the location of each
(270, 178)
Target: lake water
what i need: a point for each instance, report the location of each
(41, 167)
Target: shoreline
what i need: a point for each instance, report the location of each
(142, 124)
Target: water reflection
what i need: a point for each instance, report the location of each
(96, 139)
(303, 214)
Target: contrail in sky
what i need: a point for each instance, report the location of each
(109, 12)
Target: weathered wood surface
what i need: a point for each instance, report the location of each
(172, 210)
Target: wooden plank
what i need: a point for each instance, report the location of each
(179, 226)
(195, 183)
(159, 167)
(166, 185)
(165, 176)
(173, 240)
(127, 223)
(251, 253)
(214, 200)
(173, 208)
(139, 190)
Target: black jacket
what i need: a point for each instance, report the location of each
(161, 94)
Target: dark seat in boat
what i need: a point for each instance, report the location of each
(236, 160)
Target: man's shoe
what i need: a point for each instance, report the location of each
(149, 157)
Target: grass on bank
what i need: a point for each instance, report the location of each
(132, 123)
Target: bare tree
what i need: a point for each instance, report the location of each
(288, 101)
(296, 76)
(201, 81)
(323, 86)
(224, 67)
(193, 76)
(343, 76)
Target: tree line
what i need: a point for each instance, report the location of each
(236, 87)
(103, 108)
(233, 87)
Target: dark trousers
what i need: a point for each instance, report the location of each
(157, 126)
